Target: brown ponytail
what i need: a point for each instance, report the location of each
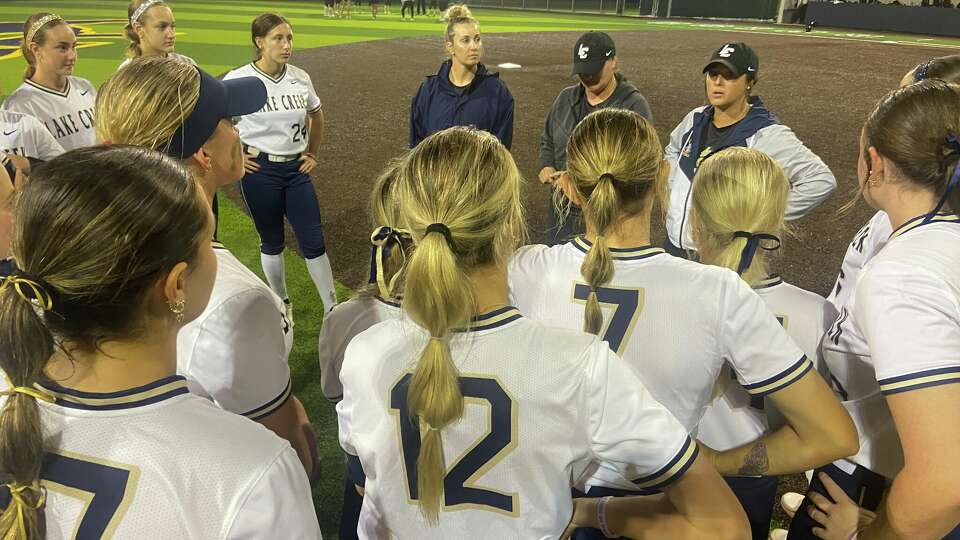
(95, 229)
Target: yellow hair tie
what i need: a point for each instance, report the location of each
(41, 297)
(16, 493)
(27, 391)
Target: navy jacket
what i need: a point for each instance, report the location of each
(486, 104)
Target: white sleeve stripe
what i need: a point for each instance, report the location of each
(672, 470)
(921, 379)
(782, 380)
(272, 405)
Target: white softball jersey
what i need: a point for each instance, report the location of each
(899, 331)
(865, 245)
(183, 59)
(340, 326)
(235, 352)
(280, 127)
(157, 462)
(541, 405)
(735, 419)
(67, 115)
(24, 135)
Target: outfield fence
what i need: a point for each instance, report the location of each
(711, 9)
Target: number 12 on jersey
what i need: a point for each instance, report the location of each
(500, 439)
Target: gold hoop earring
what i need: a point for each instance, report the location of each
(177, 309)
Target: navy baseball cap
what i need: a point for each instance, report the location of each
(218, 100)
(592, 50)
(738, 57)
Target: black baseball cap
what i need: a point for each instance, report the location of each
(592, 50)
(738, 57)
(218, 100)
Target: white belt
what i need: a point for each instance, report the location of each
(276, 158)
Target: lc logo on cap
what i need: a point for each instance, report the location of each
(582, 52)
(727, 50)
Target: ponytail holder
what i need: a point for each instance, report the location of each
(26, 391)
(431, 428)
(16, 496)
(608, 176)
(954, 145)
(753, 242)
(442, 229)
(382, 239)
(920, 73)
(31, 288)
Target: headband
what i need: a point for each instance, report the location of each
(749, 250)
(382, 241)
(137, 13)
(41, 22)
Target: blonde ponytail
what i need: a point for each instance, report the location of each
(739, 196)
(614, 161)
(458, 193)
(597, 266)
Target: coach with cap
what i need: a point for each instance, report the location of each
(735, 117)
(600, 86)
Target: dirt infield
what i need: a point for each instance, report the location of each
(823, 89)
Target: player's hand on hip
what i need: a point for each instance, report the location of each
(307, 162)
(249, 164)
(546, 175)
(838, 520)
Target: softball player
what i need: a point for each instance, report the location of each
(734, 117)
(50, 93)
(526, 408)
(374, 304)
(892, 349)
(676, 322)
(872, 236)
(152, 31)
(107, 441)
(23, 138)
(281, 143)
(235, 352)
(737, 207)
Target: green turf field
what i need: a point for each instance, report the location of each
(216, 34)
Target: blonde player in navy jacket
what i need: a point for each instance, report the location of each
(235, 352)
(893, 348)
(100, 436)
(736, 217)
(468, 420)
(281, 142)
(50, 93)
(152, 31)
(676, 322)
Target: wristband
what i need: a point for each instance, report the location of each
(602, 517)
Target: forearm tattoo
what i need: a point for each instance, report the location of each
(755, 462)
